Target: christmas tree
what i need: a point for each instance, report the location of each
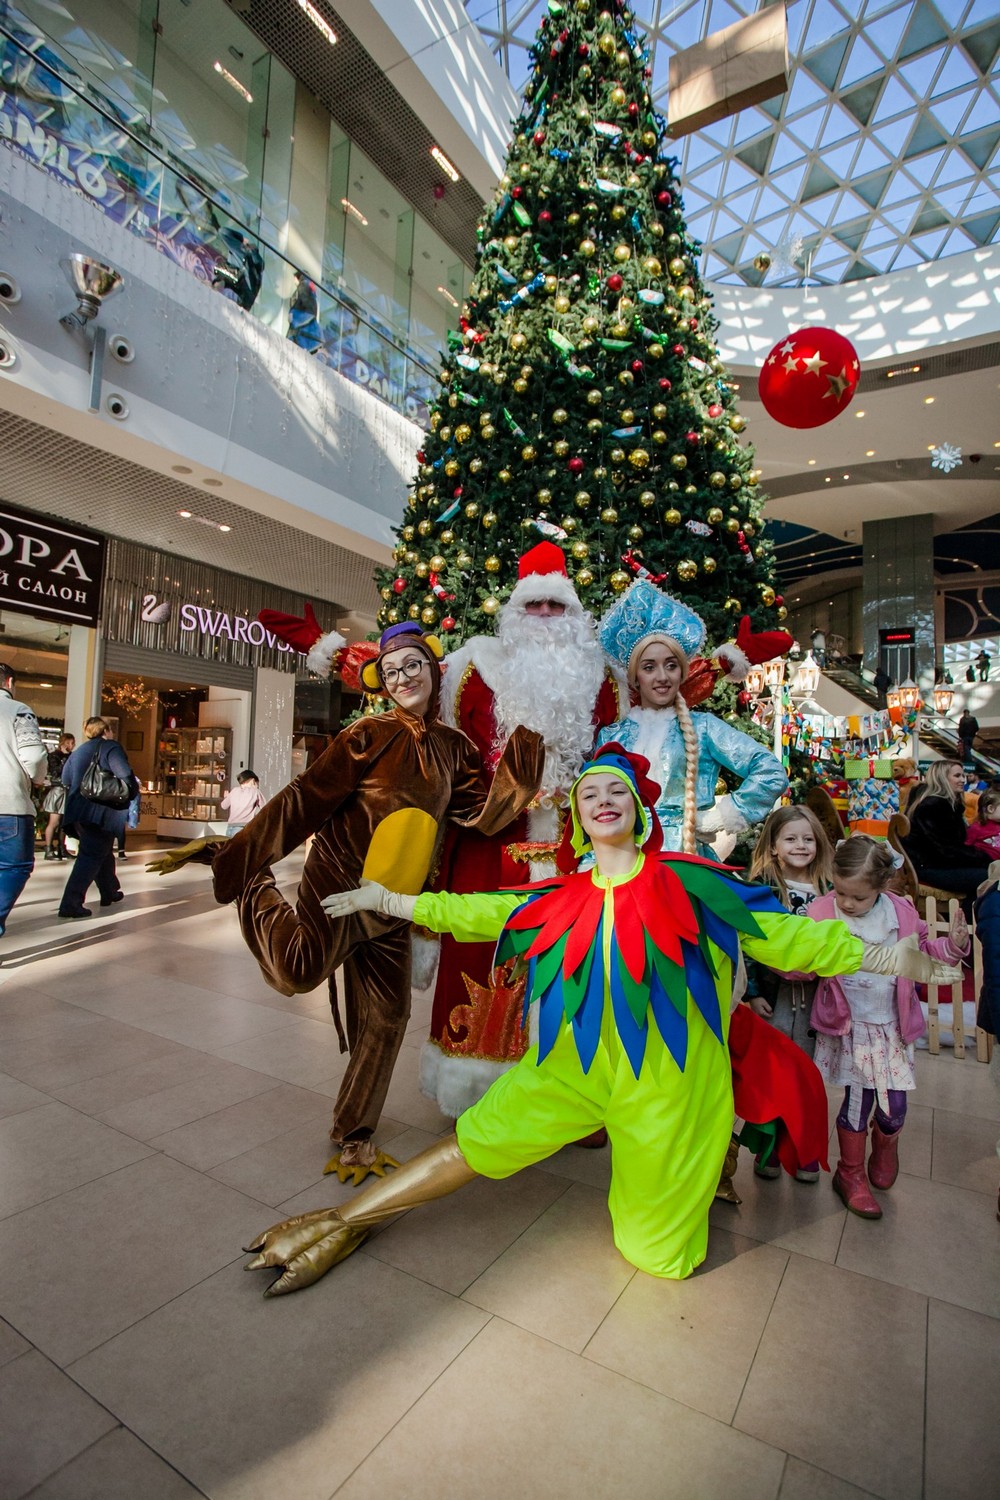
(584, 398)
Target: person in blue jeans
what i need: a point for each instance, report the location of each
(96, 826)
(23, 761)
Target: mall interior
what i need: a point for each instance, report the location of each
(183, 453)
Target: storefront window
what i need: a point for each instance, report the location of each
(38, 652)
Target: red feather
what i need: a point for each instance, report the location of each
(630, 932)
(583, 929)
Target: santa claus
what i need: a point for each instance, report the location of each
(545, 669)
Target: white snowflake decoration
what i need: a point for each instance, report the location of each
(946, 457)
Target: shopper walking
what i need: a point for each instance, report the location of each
(96, 825)
(23, 762)
(55, 797)
(983, 665)
(242, 802)
(968, 728)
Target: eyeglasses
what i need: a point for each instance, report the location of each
(409, 669)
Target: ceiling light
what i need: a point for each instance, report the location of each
(827, 479)
(928, 400)
(321, 26)
(847, 476)
(234, 83)
(447, 295)
(349, 208)
(224, 528)
(45, 684)
(185, 513)
(180, 469)
(859, 413)
(869, 453)
(812, 461)
(903, 370)
(445, 164)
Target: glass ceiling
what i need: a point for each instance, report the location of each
(882, 153)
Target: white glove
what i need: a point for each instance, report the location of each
(904, 960)
(370, 896)
(723, 817)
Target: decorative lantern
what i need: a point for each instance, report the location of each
(909, 696)
(943, 699)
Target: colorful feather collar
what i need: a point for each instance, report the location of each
(665, 916)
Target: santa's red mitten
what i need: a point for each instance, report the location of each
(305, 635)
(749, 649)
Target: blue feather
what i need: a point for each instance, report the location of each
(701, 986)
(587, 1021)
(719, 932)
(672, 1027)
(631, 1036)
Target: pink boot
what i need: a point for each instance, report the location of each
(849, 1180)
(883, 1167)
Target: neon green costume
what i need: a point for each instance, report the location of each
(664, 1090)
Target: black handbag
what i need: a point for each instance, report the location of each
(103, 787)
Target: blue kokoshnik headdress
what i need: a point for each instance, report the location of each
(642, 613)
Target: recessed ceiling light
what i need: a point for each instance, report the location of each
(323, 27)
(215, 483)
(180, 468)
(859, 413)
(847, 476)
(447, 296)
(931, 447)
(349, 208)
(234, 83)
(45, 684)
(928, 400)
(827, 479)
(812, 461)
(445, 164)
(869, 453)
(185, 513)
(224, 528)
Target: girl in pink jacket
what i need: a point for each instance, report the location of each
(866, 1024)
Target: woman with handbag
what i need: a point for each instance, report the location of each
(55, 797)
(99, 786)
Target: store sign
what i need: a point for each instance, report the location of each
(216, 622)
(49, 570)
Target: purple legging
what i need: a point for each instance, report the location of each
(887, 1123)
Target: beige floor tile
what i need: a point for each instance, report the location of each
(16, 1096)
(229, 1132)
(262, 1399)
(965, 1151)
(53, 1149)
(404, 1100)
(562, 1276)
(118, 1467)
(804, 1482)
(949, 1082)
(210, 1021)
(934, 1238)
(213, 1088)
(109, 1090)
(27, 1012)
(915, 1143)
(452, 1242)
(11, 1343)
(804, 1217)
(581, 1164)
(304, 1052)
(291, 1163)
(47, 1421)
(695, 1340)
(400, 1141)
(810, 1390)
(87, 1264)
(963, 1406)
(57, 1058)
(507, 1437)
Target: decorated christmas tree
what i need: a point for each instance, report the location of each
(584, 398)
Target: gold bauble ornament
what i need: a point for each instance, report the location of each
(587, 248)
(619, 581)
(447, 537)
(733, 605)
(464, 560)
(580, 550)
(560, 447)
(627, 416)
(625, 377)
(673, 486)
(672, 516)
(490, 605)
(392, 616)
(708, 564)
(649, 139)
(562, 303)
(782, 612)
(520, 385)
(505, 476)
(635, 533)
(408, 533)
(573, 220)
(685, 292)
(767, 595)
(414, 611)
(687, 569)
(600, 472)
(429, 615)
(591, 325)
(617, 455)
(736, 481)
(622, 253)
(463, 432)
(633, 180)
(490, 519)
(435, 420)
(568, 523)
(606, 44)
(528, 453)
(737, 423)
(551, 284)
(609, 515)
(690, 489)
(678, 265)
(544, 497)
(584, 578)
(618, 213)
(437, 563)
(517, 342)
(678, 461)
(717, 480)
(560, 415)
(762, 262)
(618, 330)
(748, 529)
(647, 499)
(595, 425)
(499, 376)
(582, 499)
(655, 351)
(732, 524)
(651, 265)
(659, 437)
(713, 516)
(386, 594)
(452, 401)
(617, 97)
(487, 432)
(583, 114)
(492, 565)
(753, 478)
(594, 396)
(656, 229)
(639, 458)
(472, 510)
(452, 467)
(582, 7)
(475, 465)
(445, 433)
(659, 411)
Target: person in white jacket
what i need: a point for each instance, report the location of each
(23, 762)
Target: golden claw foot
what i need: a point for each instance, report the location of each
(726, 1191)
(357, 1171)
(201, 851)
(304, 1249)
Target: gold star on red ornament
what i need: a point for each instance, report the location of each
(813, 364)
(838, 385)
(791, 364)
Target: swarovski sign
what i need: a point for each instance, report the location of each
(48, 569)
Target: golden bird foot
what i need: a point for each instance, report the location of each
(198, 851)
(358, 1170)
(303, 1249)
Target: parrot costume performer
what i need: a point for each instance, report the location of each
(632, 977)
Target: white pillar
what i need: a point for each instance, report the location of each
(83, 678)
(273, 716)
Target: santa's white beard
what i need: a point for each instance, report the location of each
(548, 678)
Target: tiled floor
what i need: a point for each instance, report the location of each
(158, 1105)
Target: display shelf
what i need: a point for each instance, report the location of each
(193, 772)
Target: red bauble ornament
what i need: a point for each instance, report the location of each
(420, 455)
(615, 282)
(679, 350)
(633, 111)
(664, 199)
(517, 191)
(539, 137)
(779, 598)
(715, 410)
(545, 217)
(399, 585)
(583, 50)
(809, 377)
(448, 623)
(665, 384)
(693, 437)
(575, 466)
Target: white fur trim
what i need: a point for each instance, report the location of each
(724, 817)
(424, 955)
(734, 662)
(322, 652)
(544, 586)
(456, 1083)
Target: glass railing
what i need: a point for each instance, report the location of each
(56, 120)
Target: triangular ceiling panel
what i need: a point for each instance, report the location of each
(861, 63)
(983, 46)
(861, 101)
(923, 32)
(980, 148)
(757, 154)
(825, 63)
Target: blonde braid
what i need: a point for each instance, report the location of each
(689, 843)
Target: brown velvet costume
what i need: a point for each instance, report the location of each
(375, 801)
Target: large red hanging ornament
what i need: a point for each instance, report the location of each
(809, 377)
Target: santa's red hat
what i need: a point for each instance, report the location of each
(541, 574)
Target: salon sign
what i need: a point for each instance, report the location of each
(49, 569)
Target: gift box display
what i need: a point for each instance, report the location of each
(872, 795)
